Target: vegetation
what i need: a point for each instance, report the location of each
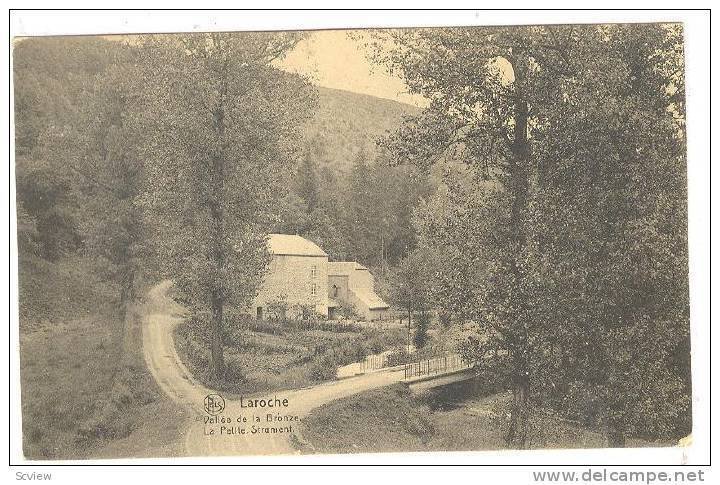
(539, 201)
(393, 418)
(561, 225)
(274, 355)
(94, 122)
(215, 187)
(422, 325)
(81, 403)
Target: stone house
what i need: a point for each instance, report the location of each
(352, 283)
(300, 275)
(297, 274)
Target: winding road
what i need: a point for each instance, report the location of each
(160, 316)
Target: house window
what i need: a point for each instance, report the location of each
(313, 290)
(313, 272)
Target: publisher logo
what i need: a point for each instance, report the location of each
(214, 404)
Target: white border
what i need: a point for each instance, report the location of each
(697, 55)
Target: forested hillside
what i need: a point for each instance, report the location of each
(341, 196)
(346, 125)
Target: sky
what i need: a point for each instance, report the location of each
(331, 59)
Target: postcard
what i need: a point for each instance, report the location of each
(352, 241)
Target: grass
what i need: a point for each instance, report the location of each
(82, 396)
(264, 356)
(393, 419)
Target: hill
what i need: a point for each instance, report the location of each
(347, 124)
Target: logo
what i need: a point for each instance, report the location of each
(214, 404)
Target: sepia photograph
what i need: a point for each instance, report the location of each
(352, 241)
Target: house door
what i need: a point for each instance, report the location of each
(259, 313)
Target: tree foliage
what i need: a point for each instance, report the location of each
(222, 128)
(571, 241)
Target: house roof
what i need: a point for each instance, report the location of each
(293, 245)
(342, 268)
(370, 298)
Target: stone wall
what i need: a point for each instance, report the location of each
(292, 276)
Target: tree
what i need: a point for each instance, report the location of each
(480, 83)
(224, 135)
(48, 197)
(420, 338)
(53, 78)
(585, 114)
(409, 287)
(82, 181)
(609, 239)
(363, 212)
(380, 200)
(307, 182)
(102, 151)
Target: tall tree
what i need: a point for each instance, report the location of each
(516, 105)
(609, 236)
(410, 289)
(83, 176)
(224, 125)
(479, 82)
(307, 182)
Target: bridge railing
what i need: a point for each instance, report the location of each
(435, 366)
(374, 362)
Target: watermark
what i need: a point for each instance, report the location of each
(619, 476)
(32, 476)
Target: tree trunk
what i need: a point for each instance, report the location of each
(516, 436)
(216, 345)
(409, 324)
(217, 296)
(519, 185)
(217, 236)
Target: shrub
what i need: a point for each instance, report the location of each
(277, 309)
(398, 356)
(421, 331)
(304, 312)
(323, 368)
(348, 311)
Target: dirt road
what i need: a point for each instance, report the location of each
(235, 436)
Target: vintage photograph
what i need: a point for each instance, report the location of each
(352, 241)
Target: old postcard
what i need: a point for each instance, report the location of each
(352, 241)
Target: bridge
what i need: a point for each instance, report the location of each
(423, 374)
(438, 371)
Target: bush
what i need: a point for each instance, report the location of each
(277, 309)
(421, 331)
(323, 368)
(348, 312)
(398, 356)
(278, 354)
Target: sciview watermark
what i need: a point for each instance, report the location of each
(605, 475)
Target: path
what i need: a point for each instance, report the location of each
(161, 315)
